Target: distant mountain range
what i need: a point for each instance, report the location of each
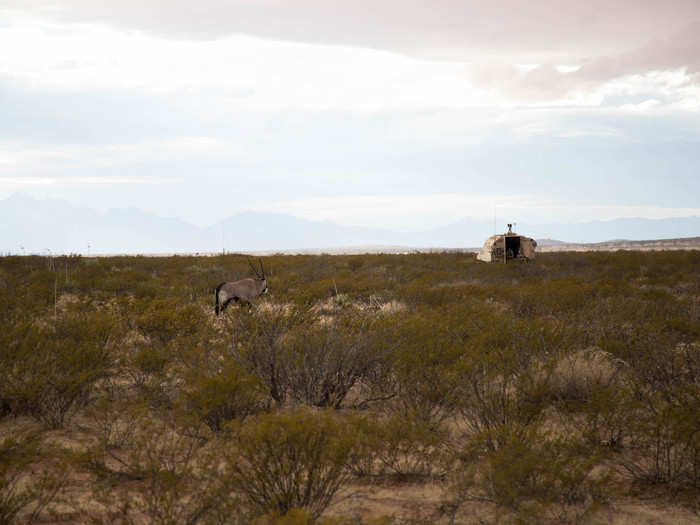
(28, 225)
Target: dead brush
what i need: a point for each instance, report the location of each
(578, 376)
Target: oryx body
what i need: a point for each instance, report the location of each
(243, 290)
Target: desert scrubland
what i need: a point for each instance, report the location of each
(363, 389)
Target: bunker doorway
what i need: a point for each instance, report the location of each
(512, 247)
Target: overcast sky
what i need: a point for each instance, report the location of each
(405, 114)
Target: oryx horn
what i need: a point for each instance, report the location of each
(254, 270)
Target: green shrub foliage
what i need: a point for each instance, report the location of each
(46, 370)
(532, 477)
(291, 460)
(31, 476)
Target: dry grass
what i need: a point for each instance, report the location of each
(577, 375)
(340, 302)
(404, 501)
(273, 307)
(647, 513)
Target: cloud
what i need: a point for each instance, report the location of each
(422, 211)
(274, 101)
(240, 73)
(8, 183)
(416, 211)
(18, 157)
(477, 46)
(662, 50)
(435, 28)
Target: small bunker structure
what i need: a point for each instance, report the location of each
(507, 246)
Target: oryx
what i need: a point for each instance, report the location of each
(243, 290)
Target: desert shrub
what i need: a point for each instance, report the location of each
(664, 443)
(258, 342)
(425, 292)
(579, 375)
(31, 477)
(355, 263)
(145, 368)
(604, 417)
(124, 281)
(409, 448)
(165, 332)
(590, 389)
(377, 386)
(146, 290)
(116, 417)
(665, 417)
(306, 294)
(325, 360)
(12, 307)
(426, 387)
(502, 377)
(48, 369)
(165, 320)
(279, 462)
(148, 361)
(221, 394)
(173, 476)
(561, 297)
(636, 328)
(424, 367)
(531, 478)
(39, 293)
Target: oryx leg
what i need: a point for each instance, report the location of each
(223, 306)
(225, 303)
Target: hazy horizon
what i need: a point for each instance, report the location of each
(404, 117)
(35, 226)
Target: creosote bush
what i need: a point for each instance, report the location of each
(308, 358)
(46, 370)
(407, 448)
(171, 474)
(531, 477)
(222, 395)
(31, 476)
(291, 460)
(504, 378)
(258, 342)
(664, 422)
(326, 361)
